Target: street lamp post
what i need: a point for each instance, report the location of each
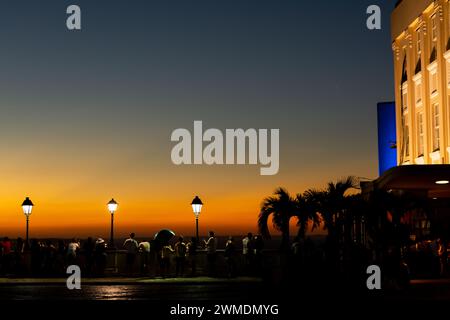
(112, 207)
(197, 208)
(27, 207)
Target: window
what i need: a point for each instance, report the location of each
(406, 135)
(433, 82)
(436, 125)
(420, 135)
(448, 73)
(434, 28)
(418, 92)
(404, 100)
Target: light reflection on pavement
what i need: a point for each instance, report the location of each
(130, 292)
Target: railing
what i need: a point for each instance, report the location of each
(116, 263)
(267, 264)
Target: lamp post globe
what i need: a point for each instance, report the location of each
(196, 208)
(112, 207)
(27, 207)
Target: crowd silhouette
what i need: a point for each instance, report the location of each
(176, 258)
(50, 257)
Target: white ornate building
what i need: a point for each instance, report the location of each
(421, 45)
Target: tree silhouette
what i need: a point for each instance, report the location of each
(306, 212)
(282, 207)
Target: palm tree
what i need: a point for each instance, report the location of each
(306, 211)
(282, 207)
(334, 201)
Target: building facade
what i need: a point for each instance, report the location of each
(420, 31)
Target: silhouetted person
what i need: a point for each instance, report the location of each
(211, 254)
(297, 253)
(442, 252)
(144, 250)
(230, 253)
(247, 251)
(132, 247)
(72, 251)
(395, 270)
(60, 257)
(295, 247)
(6, 247)
(100, 256)
(88, 249)
(437, 250)
(192, 254)
(258, 247)
(165, 254)
(180, 256)
(49, 257)
(35, 250)
(18, 256)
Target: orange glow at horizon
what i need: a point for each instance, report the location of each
(85, 215)
(71, 190)
(90, 219)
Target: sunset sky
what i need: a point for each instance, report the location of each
(86, 116)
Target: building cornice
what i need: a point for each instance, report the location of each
(396, 50)
(406, 13)
(441, 12)
(409, 39)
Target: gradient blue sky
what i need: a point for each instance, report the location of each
(88, 115)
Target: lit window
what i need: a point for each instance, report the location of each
(436, 125)
(433, 82)
(406, 134)
(405, 101)
(448, 74)
(420, 134)
(418, 92)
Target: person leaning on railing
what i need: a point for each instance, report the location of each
(191, 251)
(211, 253)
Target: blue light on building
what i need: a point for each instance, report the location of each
(387, 139)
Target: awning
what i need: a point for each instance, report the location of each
(431, 180)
